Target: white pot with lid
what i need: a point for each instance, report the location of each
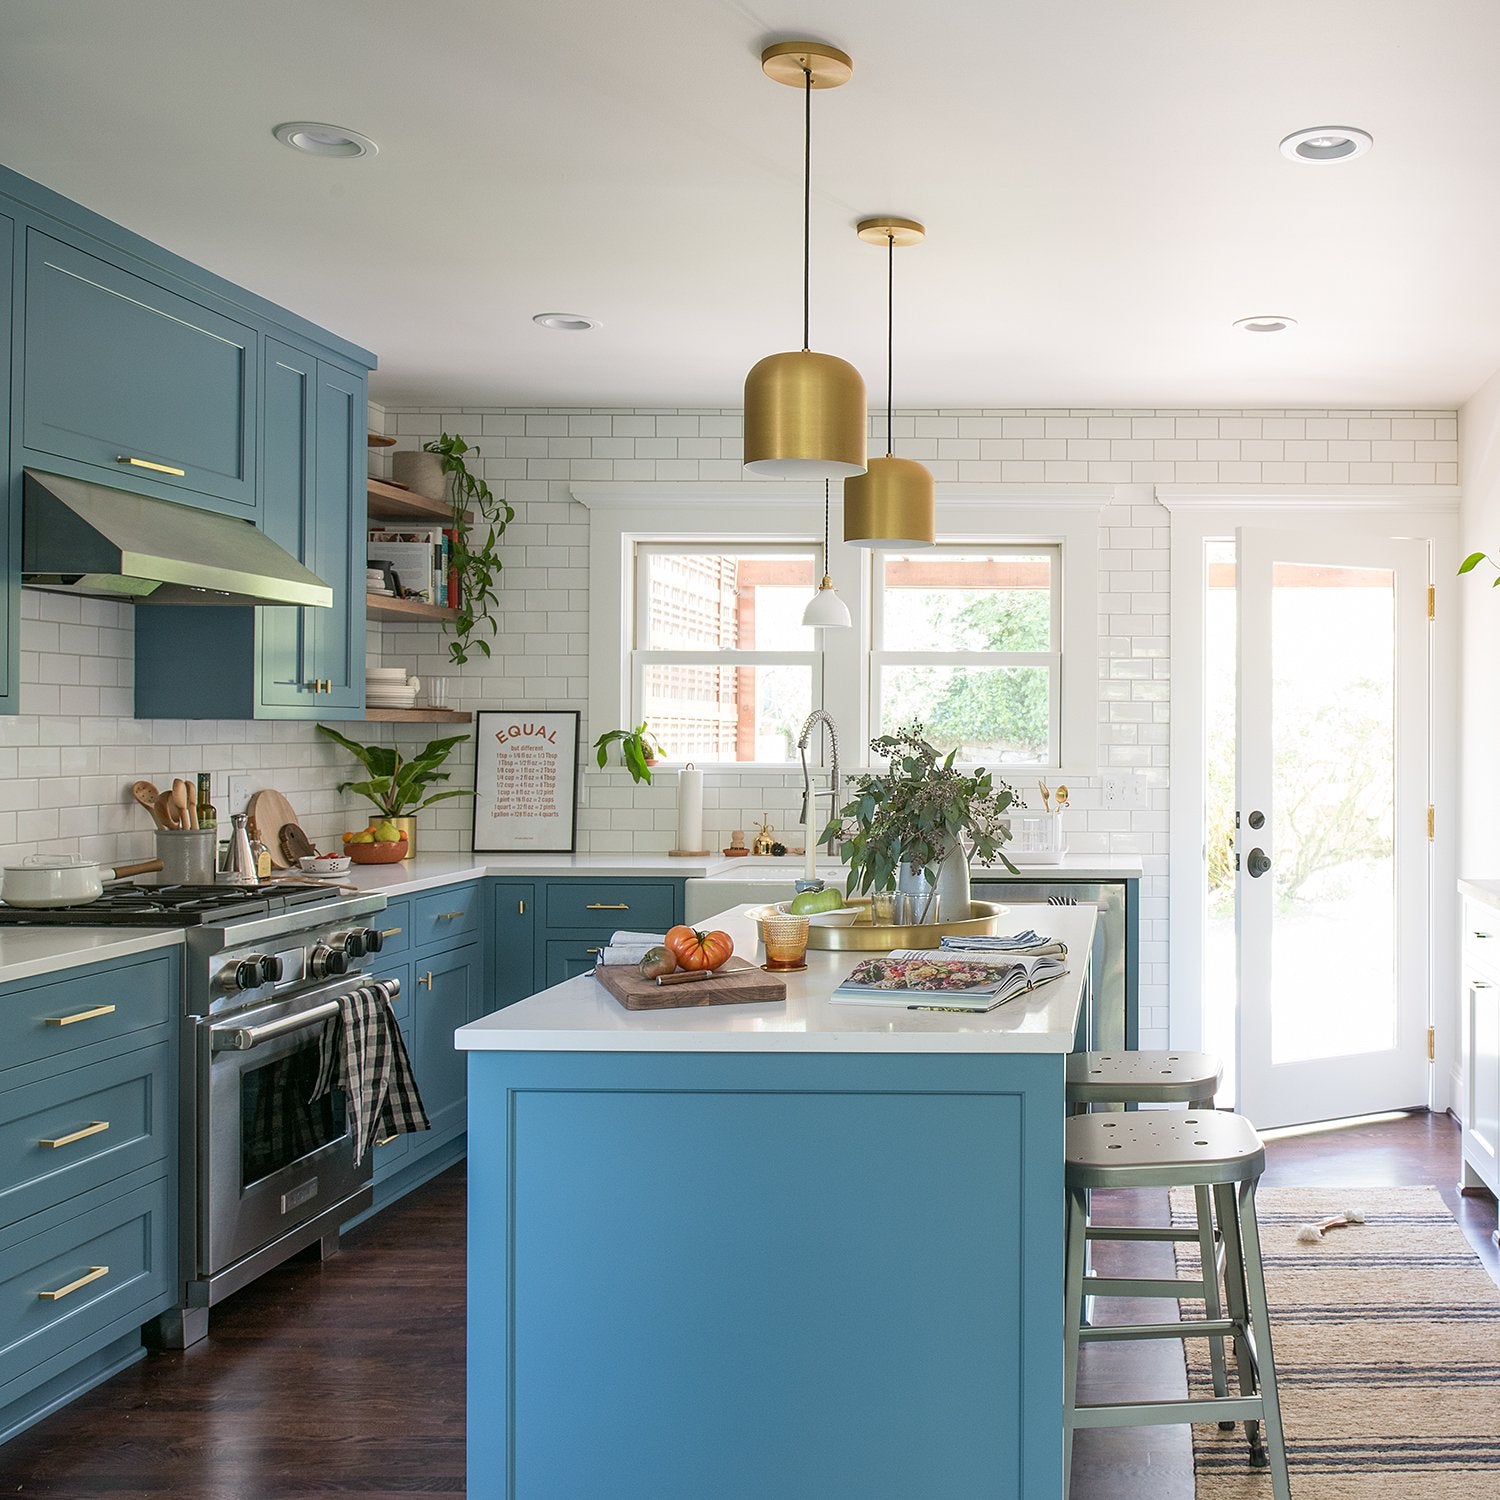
(43, 880)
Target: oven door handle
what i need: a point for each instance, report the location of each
(243, 1038)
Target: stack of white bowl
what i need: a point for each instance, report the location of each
(389, 687)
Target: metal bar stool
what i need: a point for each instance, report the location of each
(1178, 1148)
(1190, 1078)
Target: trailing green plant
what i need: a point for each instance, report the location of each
(476, 562)
(917, 811)
(1474, 559)
(638, 748)
(397, 784)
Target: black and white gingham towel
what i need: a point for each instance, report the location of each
(363, 1054)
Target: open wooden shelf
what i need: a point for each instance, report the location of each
(380, 607)
(417, 716)
(389, 502)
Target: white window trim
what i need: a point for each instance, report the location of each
(623, 514)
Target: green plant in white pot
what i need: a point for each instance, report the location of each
(917, 825)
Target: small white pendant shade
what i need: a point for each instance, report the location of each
(825, 610)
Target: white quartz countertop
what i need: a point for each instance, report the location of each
(1485, 891)
(579, 1015)
(26, 952)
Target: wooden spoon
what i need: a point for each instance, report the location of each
(146, 794)
(166, 811)
(183, 818)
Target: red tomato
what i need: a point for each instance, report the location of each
(699, 950)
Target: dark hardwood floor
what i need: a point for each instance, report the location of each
(347, 1377)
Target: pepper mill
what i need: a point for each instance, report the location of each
(240, 869)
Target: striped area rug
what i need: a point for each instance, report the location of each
(1387, 1342)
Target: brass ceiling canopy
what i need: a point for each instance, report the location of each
(893, 503)
(805, 412)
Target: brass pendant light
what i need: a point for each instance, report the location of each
(805, 412)
(892, 504)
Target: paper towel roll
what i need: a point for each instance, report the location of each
(689, 809)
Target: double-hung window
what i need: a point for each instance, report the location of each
(722, 667)
(966, 638)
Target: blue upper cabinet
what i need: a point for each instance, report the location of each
(10, 496)
(279, 662)
(134, 381)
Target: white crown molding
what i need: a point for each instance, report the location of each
(1433, 499)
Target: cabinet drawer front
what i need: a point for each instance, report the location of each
(52, 1293)
(79, 1130)
(449, 915)
(52, 1019)
(117, 367)
(394, 926)
(639, 905)
(567, 958)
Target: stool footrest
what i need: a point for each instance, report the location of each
(1196, 1329)
(1140, 1232)
(1159, 1413)
(1147, 1286)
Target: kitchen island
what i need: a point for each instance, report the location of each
(803, 1249)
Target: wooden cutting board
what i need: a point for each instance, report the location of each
(736, 983)
(271, 812)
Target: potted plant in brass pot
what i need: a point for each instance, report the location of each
(916, 826)
(398, 786)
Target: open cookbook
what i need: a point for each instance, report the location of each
(949, 979)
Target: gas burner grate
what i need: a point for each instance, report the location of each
(170, 906)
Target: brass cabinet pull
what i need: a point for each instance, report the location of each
(593, 950)
(392, 931)
(521, 907)
(81, 1015)
(328, 684)
(146, 463)
(95, 1272)
(449, 916)
(607, 906)
(385, 1140)
(426, 979)
(97, 1128)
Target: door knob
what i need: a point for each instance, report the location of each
(1257, 863)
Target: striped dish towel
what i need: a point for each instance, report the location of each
(1031, 943)
(363, 1054)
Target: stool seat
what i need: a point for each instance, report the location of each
(1161, 1148)
(1172, 1077)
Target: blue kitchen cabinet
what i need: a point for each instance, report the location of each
(10, 491)
(88, 1175)
(280, 661)
(512, 966)
(135, 381)
(444, 997)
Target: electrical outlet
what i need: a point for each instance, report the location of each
(241, 786)
(1123, 791)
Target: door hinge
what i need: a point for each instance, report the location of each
(1432, 601)
(1431, 1043)
(1431, 823)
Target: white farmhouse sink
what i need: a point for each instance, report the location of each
(771, 880)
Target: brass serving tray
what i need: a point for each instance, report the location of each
(863, 936)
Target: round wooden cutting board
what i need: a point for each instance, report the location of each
(271, 812)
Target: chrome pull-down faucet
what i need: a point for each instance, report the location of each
(834, 789)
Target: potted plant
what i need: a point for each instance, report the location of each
(476, 558)
(917, 825)
(639, 750)
(397, 786)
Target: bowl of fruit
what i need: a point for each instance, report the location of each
(380, 844)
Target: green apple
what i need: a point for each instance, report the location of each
(805, 902)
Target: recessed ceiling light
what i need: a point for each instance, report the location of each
(1265, 323)
(313, 139)
(1326, 143)
(565, 322)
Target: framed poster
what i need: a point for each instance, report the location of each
(525, 780)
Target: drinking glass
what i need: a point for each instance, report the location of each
(785, 938)
(883, 909)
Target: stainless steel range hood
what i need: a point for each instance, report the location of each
(81, 538)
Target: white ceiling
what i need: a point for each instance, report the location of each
(1100, 180)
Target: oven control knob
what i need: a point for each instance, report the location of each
(352, 942)
(327, 962)
(373, 940)
(270, 968)
(244, 975)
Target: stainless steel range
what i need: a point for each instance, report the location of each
(266, 1169)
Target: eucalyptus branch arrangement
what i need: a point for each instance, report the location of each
(917, 811)
(475, 560)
